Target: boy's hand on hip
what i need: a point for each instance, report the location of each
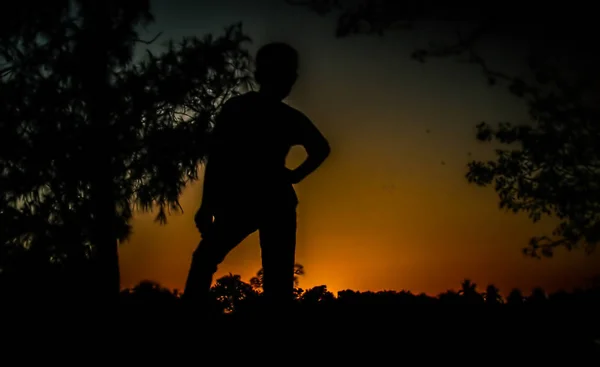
(291, 176)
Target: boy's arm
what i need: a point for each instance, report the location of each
(204, 215)
(208, 186)
(316, 146)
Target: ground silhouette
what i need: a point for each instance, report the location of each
(535, 326)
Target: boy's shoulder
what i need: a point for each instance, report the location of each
(250, 100)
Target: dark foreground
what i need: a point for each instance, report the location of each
(409, 336)
(319, 335)
(367, 328)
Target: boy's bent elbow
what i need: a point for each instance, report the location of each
(325, 150)
(319, 151)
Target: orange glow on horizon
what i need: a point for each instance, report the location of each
(379, 241)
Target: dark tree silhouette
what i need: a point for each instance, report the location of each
(450, 297)
(492, 295)
(515, 297)
(230, 291)
(469, 292)
(150, 292)
(298, 292)
(537, 296)
(88, 135)
(549, 166)
(317, 295)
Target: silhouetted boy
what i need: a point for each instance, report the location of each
(247, 186)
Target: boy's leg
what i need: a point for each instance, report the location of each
(226, 233)
(277, 231)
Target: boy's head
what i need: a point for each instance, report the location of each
(277, 68)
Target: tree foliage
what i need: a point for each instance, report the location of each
(78, 110)
(549, 166)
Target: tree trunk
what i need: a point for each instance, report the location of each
(106, 276)
(106, 263)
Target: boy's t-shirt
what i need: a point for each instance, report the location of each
(249, 145)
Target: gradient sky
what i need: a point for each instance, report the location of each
(391, 208)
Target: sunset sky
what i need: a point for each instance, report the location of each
(391, 208)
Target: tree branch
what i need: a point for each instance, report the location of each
(151, 41)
